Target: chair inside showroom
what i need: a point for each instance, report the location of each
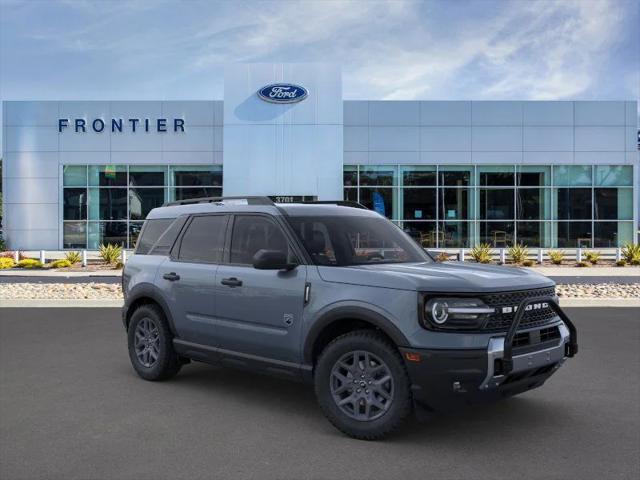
(499, 238)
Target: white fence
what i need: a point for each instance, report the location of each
(538, 255)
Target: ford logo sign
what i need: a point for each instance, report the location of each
(283, 93)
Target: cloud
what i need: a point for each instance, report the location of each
(397, 49)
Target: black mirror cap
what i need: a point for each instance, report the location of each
(272, 260)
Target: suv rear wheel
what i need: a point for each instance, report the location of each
(150, 344)
(362, 385)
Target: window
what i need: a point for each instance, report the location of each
(350, 176)
(613, 203)
(614, 175)
(355, 240)
(164, 244)
(419, 176)
(203, 241)
(378, 175)
(143, 200)
(74, 235)
(574, 203)
(455, 203)
(496, 176)
(496, 204)
(107, 175)
(379, 200)
(419, 203)
(572, 175)
(124, 195)
(252, 233)
(75, 204)
(500, 204)
(147, 175)
(151, 232)
(455, 176)
(574, 234)
(497, 234)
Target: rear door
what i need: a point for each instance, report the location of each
(259, 312)
(187, 277)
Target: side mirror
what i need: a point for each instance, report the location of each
(272, 260)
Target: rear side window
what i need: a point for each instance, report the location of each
(150, 234)
(203, 241)
(168, 238)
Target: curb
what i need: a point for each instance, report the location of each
(61, 303)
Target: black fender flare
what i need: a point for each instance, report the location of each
(147, 290)
(351, 312)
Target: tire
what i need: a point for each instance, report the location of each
(166, 364)
(372, 407)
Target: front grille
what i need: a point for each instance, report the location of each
(535, 340)
(501, 321)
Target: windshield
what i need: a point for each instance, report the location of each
(344, 240)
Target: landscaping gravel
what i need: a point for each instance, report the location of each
(111, 291)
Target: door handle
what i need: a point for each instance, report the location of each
(231, 282)
(172, 277)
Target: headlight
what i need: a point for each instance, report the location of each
(456, 313)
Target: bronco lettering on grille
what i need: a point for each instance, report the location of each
(532, 306)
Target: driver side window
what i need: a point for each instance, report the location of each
(252, 233)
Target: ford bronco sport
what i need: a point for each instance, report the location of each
(336, 295)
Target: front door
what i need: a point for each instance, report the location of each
(187, 278)
(259, 312)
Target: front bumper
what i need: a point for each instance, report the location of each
(443, 380)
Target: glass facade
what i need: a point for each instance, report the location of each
(108, 203)
(450, 206)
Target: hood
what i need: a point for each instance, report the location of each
(437, 277)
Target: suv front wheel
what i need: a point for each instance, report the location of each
(151, 344)
(362, 385)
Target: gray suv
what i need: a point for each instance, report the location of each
(336, 295)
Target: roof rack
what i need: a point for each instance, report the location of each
(192, 201)
(340, 203)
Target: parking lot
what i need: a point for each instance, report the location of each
(72, 407)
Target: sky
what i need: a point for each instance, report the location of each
(400, 50)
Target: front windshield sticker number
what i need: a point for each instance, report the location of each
(288, 319)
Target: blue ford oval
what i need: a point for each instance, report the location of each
(283, 93)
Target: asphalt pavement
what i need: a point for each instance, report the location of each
(71, 407)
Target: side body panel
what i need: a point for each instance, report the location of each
(191, 299)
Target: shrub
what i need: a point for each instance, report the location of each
(442, 257)
(631, 253)
(29, 263)
(10, 254)
(110, 253)
(73, 257)
(62, 263)
(556, 256)
(6, 263)
(518, 253)
(621, 263)
(527, 263)
(592, 257)
(3, 245)
(582, 263)
(481, 253)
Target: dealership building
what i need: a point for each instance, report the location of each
(451, 173)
